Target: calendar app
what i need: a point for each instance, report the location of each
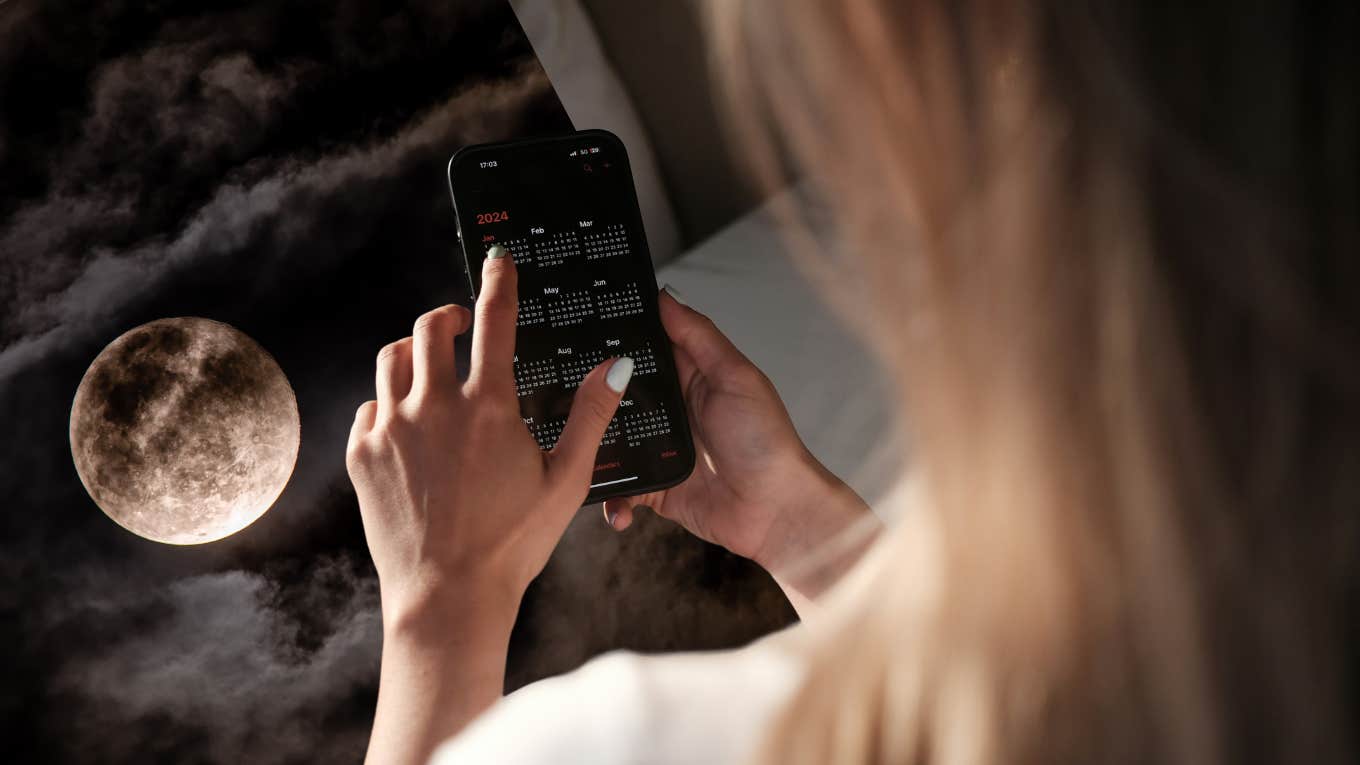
(566, 212)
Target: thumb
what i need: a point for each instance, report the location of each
(697, 335)
(573, 458)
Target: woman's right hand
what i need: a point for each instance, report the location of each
(756, 489)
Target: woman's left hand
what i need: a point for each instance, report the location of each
(461, 509)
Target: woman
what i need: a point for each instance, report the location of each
(1110, 253)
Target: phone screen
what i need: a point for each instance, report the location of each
(566, 210)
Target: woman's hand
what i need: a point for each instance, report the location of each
(452, 487)
(461, 509)
(756, 489)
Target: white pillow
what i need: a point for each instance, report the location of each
(569, 50)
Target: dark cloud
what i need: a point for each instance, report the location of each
(266, 221)
(173, 110)
(232, 667)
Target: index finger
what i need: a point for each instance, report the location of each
(493, 334)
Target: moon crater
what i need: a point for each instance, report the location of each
(184, 430)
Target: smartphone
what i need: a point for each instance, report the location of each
(566, 210)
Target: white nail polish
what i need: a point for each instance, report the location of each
(619, 373)
(496, 251)
(675, 295)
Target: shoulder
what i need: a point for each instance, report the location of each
(625, 708)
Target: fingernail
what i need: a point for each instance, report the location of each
(610, 517)
(675, 295)
(619, 373)
(496, 251)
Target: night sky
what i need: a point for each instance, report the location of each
(278, 166)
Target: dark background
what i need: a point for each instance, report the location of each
(277, 166)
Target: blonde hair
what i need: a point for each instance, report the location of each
(1104, 268)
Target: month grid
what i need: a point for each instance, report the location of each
(640, 426)
(556, 249)
(570, 308)
(532, 375)
(611, 241)
(621, 302)
(575, 368)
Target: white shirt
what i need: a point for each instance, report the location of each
(625, 708)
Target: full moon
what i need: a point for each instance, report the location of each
(184, 430)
